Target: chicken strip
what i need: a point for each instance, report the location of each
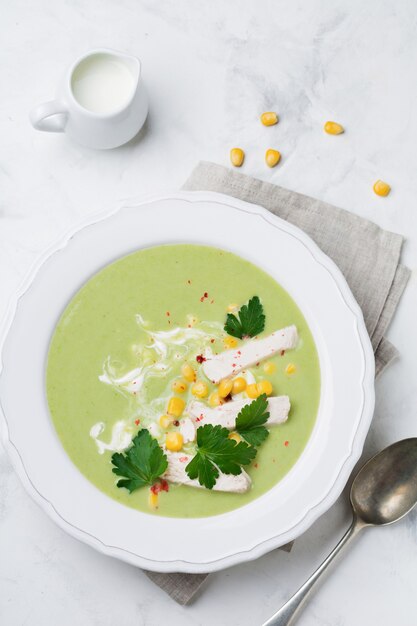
(230, 362)
(187, 430)
(226, 414)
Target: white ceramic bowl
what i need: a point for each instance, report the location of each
(347, 391)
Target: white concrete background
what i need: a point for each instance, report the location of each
(211, 68)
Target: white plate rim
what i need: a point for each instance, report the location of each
(348, 464)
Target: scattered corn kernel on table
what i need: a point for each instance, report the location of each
(211, 70)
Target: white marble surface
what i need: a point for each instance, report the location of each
(211, 67)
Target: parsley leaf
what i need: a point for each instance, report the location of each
(142, 463)
(251, 419)
(217, 452)
(249, 322)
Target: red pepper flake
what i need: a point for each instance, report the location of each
(233, 365)
(204, 296)
(286, 444)
(189, 281)
(212, 340)
(162, 485)
(189, 326)
(176, 423)
(239, 352)
(257, 365)
(168, 313)
(137, 422)
(256, 466)
(282, 352)
(198, 419)
(183, 459)
(200, 358)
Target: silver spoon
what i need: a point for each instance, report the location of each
(384, 490)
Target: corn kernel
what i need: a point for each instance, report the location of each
(173, 441)
(165, 421)
(188, 372)
(290, 369)
(333, 128)
(269, 118)
(215, 399)
(381, 188)
(175, 406)
(269, 368)
(230, 342)
(200, 389)
(252, 391)
(236, 437)
(225, 388)
(232, 308)
(179, 386)
(237, 156)
(239, 385)
(272, 157)
(264, 387)
(153, 499)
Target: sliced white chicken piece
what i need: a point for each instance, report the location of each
(187, 430)
(230, 362)
(177, 462)
(226, 414)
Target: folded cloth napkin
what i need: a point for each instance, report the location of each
(368, 256)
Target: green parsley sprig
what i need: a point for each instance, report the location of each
(217, 452)
(142, 464)
(251, 419)
(250, 320)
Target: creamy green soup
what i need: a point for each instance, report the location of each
(121, 342)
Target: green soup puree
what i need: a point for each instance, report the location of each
(122, 341)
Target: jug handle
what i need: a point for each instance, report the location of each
(50, 116)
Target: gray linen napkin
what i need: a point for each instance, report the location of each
(368, 256)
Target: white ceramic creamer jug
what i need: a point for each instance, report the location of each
(101, 102)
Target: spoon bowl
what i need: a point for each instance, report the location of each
(385, 488)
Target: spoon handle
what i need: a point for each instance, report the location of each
(286, 614)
